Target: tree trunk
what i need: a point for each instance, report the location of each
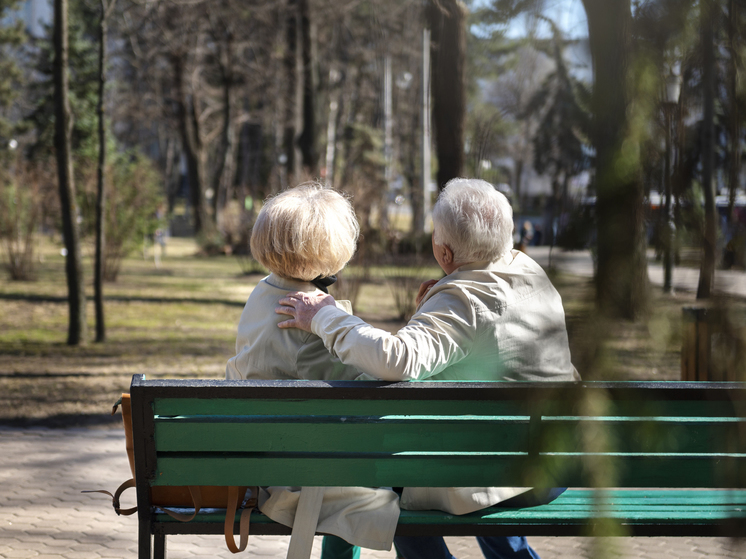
(412, 152)
(77, 328)
(279, 99)
(98, 280)
(666, 216)
(517, 180)
(388, 122)
(353, 106)
(171, 173)
(192, 145)
(197, 172)
(332, 126)
(734, 156)
(707, 269)
(447, 20)
(622, 285)
(291, 90)
(307, 141)
(424, 213)
(226, 171)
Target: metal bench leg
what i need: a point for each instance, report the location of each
(159, 546)
(143, 540)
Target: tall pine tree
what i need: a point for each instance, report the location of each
(83, 21)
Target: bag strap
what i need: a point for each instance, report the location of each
(305, 522)
(115, 497)
(195, 492)
(230, 517)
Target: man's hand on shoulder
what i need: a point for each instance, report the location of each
(302, 307)
(425, 287)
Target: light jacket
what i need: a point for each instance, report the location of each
(264, 351)
(499, 320)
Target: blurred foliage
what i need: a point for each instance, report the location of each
(486, 129)
(11, 75)
(249, 265)
(404, 283)
(561, 141)
(235, 226)
(579, 232)
(349, 282)
(418, 245)
(132, 206)
(20, 215)
(83, 94)
(364, 171)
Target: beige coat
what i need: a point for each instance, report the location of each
(264, 351)
(363, 516)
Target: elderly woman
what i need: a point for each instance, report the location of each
(494, 316)
(304, 236)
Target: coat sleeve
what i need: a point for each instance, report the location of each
(439, 334)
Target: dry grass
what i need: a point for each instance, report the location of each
(179, 321)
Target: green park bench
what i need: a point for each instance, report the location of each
(641, 458)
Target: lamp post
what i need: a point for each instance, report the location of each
(671, 101)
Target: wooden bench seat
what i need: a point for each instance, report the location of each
(657, 458)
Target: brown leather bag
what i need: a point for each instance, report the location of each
(196, 497)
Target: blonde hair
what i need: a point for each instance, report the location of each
(474, 220)
(305, 232)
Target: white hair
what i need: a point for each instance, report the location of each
(474, 220)
(305, 232)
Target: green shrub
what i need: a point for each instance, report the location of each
(20, 213)
(133, 196)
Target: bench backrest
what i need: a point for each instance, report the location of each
(310, 433)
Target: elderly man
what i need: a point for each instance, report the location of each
(494, 316)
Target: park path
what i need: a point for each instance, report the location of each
(44, 515)
(580, 263)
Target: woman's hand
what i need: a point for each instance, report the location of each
(424, 288)
(302, 307)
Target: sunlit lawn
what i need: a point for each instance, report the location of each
(179, 320)
(176, 320)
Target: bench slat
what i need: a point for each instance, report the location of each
(703, 512)
(335, 407)
(643, 435)
(415, 433)
(353, 434)
(440, 470)
(545, 403)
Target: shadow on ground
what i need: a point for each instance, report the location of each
(64, 421)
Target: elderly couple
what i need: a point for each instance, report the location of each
(494, 316)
